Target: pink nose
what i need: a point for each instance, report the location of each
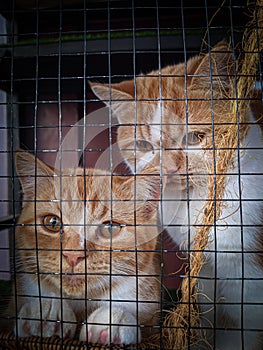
(170, 168)
(172, 161)
(73, 258)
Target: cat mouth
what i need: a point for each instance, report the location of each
(183, 182)
(180, 181)
(74, 285)
(74, 280)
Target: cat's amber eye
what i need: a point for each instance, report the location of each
(52, 223)
(109, 229)
(143, 146)
(193, 138)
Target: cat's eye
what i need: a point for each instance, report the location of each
(143, 146)
(193, 138)
(52, 223)
(109, 229)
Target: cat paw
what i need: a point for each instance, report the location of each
(46, 322)
(123, 328)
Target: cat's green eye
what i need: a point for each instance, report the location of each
(109, 229)
(52, 223)
(193, 138)
(143, 146)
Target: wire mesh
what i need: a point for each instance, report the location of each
(118, 92)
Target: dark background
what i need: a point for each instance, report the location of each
(55, 47)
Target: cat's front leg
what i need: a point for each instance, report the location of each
(52, 318)
(111, 325)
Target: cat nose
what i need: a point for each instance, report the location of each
(172, 162)
(170, 167)
(73, 258)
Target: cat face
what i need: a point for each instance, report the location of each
(165, 140)
(78, 228)
(176, 119)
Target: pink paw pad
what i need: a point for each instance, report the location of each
(117, 340)
(104, 336)
(89, 336)
(26, 327)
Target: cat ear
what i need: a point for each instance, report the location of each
(119, 97)
(31, 172)
(215, 67)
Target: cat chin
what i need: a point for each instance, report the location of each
(171, 185)
(74, 286)
(73, 280)
(181, 184)
(79, 286)
(190, 185)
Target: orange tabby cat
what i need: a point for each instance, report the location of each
(86, 250)
(176, 118)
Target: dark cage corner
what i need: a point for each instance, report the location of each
(131, 174)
